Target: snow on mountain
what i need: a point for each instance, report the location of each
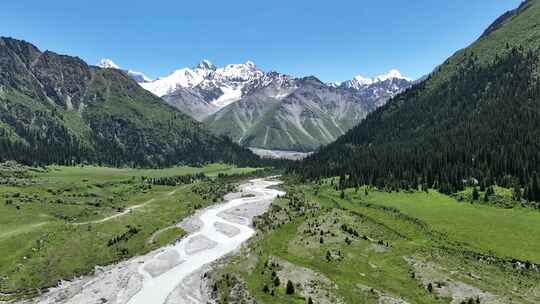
(229, 96)
(334, 84)
(392, 74)
(238, 72)
(359, 82)
(231, 80)
(182, 78)
(107, 64)
(139, 77)
(219, 86)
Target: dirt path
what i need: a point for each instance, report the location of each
(154, 235)
(128, 210)
(23, 229)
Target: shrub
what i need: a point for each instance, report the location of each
(276, 281)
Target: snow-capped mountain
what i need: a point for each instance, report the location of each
(227, 82)
(137, 76)
(359, 82)
(379, 89)
(182, 78)
(107, 64)
(285, 113)
(204, 89)
(271, 110)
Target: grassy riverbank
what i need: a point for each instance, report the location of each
(377, 247)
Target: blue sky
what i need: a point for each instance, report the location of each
(333, 40)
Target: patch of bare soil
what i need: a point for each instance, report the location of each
(308, 283)
(384, 298)
(439, 280)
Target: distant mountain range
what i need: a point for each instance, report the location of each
(270, 110)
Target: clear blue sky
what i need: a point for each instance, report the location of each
(333, 40)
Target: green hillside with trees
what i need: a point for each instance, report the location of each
(56, 109)
(474, 121)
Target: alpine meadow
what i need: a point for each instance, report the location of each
(250, 183)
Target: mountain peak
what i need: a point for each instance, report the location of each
(107, 63)
(311, 79)
(363, 80)
(139, 77)
(392, 74)
(206, 65)
(360, 81)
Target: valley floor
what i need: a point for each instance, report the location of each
(279, 154)
(357, 246)
(369, 246)
(57, 223)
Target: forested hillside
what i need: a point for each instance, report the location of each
(476, 119)
(57, 109)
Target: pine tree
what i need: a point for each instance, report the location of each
(487, 195)
(276, 281)
(535, 188)
(475, 194)
(516, 192)
(290, 288)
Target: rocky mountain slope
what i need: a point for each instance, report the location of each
(283, 113)
(57, 109)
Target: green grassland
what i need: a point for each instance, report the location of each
(379, 247)
(59, 222)
(510, 233)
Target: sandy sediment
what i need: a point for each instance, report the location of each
(199, 243)
(116, 284)
(192, 290)
(244, 214)
(226, 229)
(163, 263)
